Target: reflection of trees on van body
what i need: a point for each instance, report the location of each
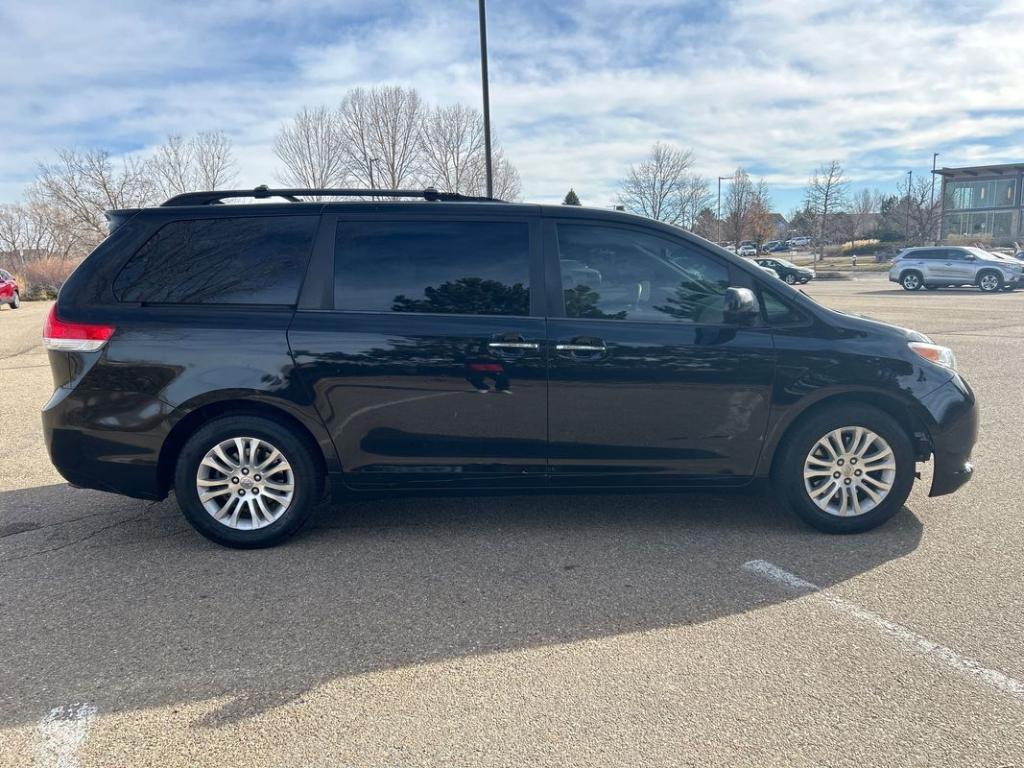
(581, 301)
(697, 299)
(469, 296)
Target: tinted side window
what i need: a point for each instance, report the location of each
(620, 274)
(441, 267)
(257, 260)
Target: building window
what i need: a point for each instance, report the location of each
(1002, 224)
(963, 195)
(999, 225)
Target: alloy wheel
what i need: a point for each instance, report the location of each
(849, 471)
(245, 483)
(989, 282)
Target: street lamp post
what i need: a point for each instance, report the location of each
(931, 207)
(487, 98)
(720, 179)
(910, 182)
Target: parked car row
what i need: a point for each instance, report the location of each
(948, 266)
(749, 248)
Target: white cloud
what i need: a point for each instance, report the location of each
(578, 93)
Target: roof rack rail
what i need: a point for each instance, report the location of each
(215, 197)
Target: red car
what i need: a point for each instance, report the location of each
(9, 292)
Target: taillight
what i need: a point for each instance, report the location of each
(63, 336)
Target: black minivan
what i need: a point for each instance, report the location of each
(257, 356)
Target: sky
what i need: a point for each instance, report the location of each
(579, 90)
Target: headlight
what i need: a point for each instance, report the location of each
(934, 353)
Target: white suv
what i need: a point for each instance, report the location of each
(939, 267)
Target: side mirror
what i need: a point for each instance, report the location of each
(740, 306)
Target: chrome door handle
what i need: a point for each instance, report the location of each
(579, 348)
(513, 345)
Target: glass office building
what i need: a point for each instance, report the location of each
(984, 202)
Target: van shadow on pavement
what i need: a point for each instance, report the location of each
(119, 603)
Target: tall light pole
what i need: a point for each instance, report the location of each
(720, 179)
(487, 98)
(931, 207)
(910, 182)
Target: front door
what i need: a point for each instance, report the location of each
(648, 383)
(958, 267)
(430, 368)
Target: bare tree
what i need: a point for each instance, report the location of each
(214, 163)
(380, 130)
(452, 141)
(924, 213)
(761, 224)
(864, 210)
(173, 167)
(310, 148)
(507, 184)
(187, 165)
(826, 194)
(35, 230)
(84, 184)
(738, 203)
(694, 196)
(655, 187)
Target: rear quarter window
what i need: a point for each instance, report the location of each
(247, 260)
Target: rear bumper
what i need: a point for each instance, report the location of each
(953, 434)
(108, 441)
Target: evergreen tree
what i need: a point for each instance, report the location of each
(571, 198)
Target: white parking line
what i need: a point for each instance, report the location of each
(60, 735)
(969, 666)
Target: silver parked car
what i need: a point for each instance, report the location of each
(944, 266)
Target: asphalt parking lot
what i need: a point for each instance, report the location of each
(541, 631)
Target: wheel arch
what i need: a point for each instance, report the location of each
(913, 424)
(911, 270)
(986, 270)
(235, 406)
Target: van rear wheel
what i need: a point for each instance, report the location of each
(245, 481)
(846, 469)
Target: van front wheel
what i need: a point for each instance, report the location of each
(846, 469)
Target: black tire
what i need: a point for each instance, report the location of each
(791, 279)
(788, 474)
(911, 280)
(987, 284)
(16, 301)
(306, 480)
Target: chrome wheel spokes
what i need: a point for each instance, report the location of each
(245, 483)
(849, 471)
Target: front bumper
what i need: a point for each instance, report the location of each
(953, 434)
